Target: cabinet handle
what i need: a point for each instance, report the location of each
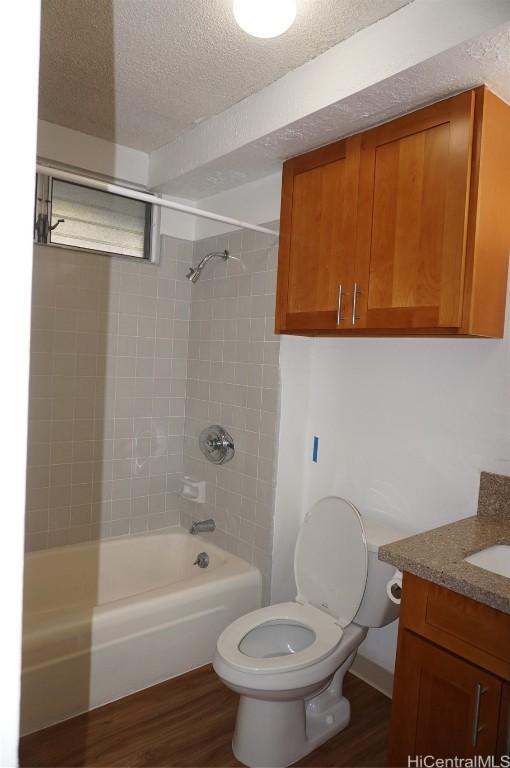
(479, 691)
(339, 316)
(355, 292)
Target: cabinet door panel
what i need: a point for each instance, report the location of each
(442, 706)
(413, 217)
(405, 265)
(504, 723)
(317, 250)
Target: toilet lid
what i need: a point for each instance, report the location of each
(330, 560)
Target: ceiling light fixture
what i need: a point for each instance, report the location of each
(265, 18)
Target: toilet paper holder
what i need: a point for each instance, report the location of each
(394, 588)
(396, 591)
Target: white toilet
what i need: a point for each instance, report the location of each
(288, 661)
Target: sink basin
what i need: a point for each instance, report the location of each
(495, 559)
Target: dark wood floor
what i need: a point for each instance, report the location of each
(188, 721)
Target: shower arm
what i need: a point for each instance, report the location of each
(194, 273)
(214, 254)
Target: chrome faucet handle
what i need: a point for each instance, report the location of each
(216, 444)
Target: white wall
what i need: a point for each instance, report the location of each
(257, 202)
(104, 158)
(295, 383)
(405, 427)
(19, 60)
(68, 147)
(175, 224)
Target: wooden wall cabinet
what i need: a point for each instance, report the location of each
(452, 678)
(403, 229)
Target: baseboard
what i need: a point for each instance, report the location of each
(371, 673)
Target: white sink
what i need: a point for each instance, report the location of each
(495, 559)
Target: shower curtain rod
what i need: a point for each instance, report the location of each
(146, 197)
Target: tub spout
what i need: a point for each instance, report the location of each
(202, 526)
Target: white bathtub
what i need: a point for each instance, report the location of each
(103, 620)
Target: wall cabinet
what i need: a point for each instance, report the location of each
(403, 229)
(452, 691)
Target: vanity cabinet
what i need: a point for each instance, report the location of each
(403, 229)
(451, 706)
(452, 693)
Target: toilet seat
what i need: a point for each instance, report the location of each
(331, 559)
(327, 636)
(330, 567)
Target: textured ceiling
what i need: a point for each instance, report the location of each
(141, 72)
(485, 60)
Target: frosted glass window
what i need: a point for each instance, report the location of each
(99, 221)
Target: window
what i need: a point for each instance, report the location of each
(74, 216)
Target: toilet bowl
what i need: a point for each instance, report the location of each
(288, 661)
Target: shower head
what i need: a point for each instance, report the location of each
(195, 272)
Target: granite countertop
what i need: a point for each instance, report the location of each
(438, 555)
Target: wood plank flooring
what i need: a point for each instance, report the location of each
(189, 721)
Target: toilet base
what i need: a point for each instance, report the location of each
(272, 733)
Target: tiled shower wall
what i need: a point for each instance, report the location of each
(233, 381)
(113, 374)
(107, 394)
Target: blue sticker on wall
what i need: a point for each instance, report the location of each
(315, 449)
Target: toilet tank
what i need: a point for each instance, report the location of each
(376, 609)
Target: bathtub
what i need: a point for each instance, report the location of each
(105, 619)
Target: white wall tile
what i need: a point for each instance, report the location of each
(233, 379)
(108, 381)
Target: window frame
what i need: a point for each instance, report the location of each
(43, 206)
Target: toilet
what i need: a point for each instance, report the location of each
(288, 661)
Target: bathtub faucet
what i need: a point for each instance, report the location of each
(202, 526)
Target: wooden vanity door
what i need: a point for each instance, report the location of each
(414, 192)
(504, 723)
(318, 238)
(442, 705)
